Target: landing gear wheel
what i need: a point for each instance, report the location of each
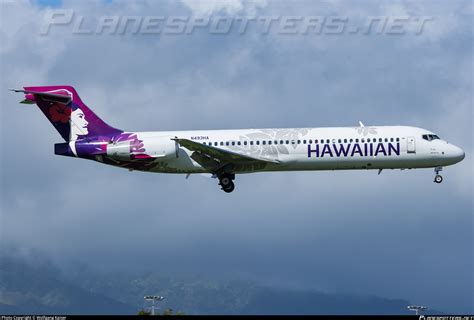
(438, 179)
(225, 181)
(229, 188)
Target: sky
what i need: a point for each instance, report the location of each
(397, 234)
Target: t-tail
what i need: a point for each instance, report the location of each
(69, 115)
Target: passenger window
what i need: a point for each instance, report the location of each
(245, 143)
(345, 140)
(398, 139)
(357, 140)
(299, 141)
(258, 142)
(339, 140)
(352, 140)
(304, 141)
(227, 143)
(287, 141)
(310, 141)
(386, 140)
(275, 142)
(380, 139)
(281, 141)
(233, 143)
(221, 143)
(264, 142)
(251, 143)
(328, 141)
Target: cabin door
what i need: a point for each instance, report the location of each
(411, 146)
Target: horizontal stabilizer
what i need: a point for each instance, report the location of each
(47, 96)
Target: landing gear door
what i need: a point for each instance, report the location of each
(411, 145)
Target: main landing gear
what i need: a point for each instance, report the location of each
(225, 181)
(438, 178)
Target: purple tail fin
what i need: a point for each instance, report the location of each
(68, 114)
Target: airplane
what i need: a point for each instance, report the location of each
(225, 153)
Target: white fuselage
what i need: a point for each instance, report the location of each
(338, 148)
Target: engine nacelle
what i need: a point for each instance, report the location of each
(119, 150)
(149, 147)
(162, 147)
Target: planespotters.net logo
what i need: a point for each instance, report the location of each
(60, 20)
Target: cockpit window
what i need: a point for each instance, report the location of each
(430, 137)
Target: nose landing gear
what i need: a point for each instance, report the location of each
(225, 181)
(438, 178)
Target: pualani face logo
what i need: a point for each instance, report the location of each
(62, 115)
(352, 150)
(78, 122)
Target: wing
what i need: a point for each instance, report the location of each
(215, 159)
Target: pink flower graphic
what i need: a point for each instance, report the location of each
(60, 113)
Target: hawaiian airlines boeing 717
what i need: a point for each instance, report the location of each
(225, 153)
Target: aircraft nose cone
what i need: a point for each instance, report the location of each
(458, 154)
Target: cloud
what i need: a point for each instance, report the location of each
(336, 231)
(231, 7)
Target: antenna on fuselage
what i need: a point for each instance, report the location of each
(361, 124)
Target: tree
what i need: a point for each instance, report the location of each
(166, 312)
(143, 313)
